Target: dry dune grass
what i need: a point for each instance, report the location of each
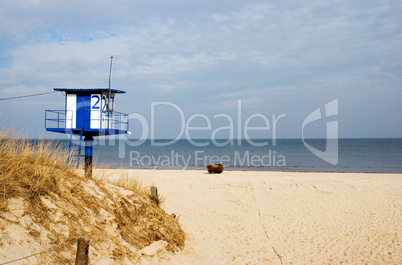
(58, 205)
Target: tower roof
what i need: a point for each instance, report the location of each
(89, 90)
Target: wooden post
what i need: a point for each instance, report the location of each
(82, 251)
(154, 192)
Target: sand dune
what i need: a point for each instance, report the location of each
(246, 217)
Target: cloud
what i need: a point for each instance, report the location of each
(283, 56)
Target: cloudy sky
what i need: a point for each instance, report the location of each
(274, 57)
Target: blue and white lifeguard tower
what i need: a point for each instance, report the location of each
(88, 112)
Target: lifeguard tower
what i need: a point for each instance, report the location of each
(88, 112)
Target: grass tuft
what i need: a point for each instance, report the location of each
(59, 206)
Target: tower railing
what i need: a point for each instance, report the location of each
(118, 121)
(57, 119)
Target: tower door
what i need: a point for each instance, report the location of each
(83, 118)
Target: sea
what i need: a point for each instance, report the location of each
(296, 155)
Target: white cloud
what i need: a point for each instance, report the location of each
(261, 53)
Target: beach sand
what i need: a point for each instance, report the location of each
(257, 217)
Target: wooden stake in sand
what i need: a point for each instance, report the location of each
(154, 191)
(82, 251)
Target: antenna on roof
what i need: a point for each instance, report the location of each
(108, 98)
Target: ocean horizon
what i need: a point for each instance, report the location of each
(366, 155)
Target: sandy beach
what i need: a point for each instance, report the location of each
(254, 217)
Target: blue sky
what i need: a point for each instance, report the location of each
(288, 57)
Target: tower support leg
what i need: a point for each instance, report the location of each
(88, 156)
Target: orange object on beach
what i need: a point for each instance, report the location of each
(215, 168)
